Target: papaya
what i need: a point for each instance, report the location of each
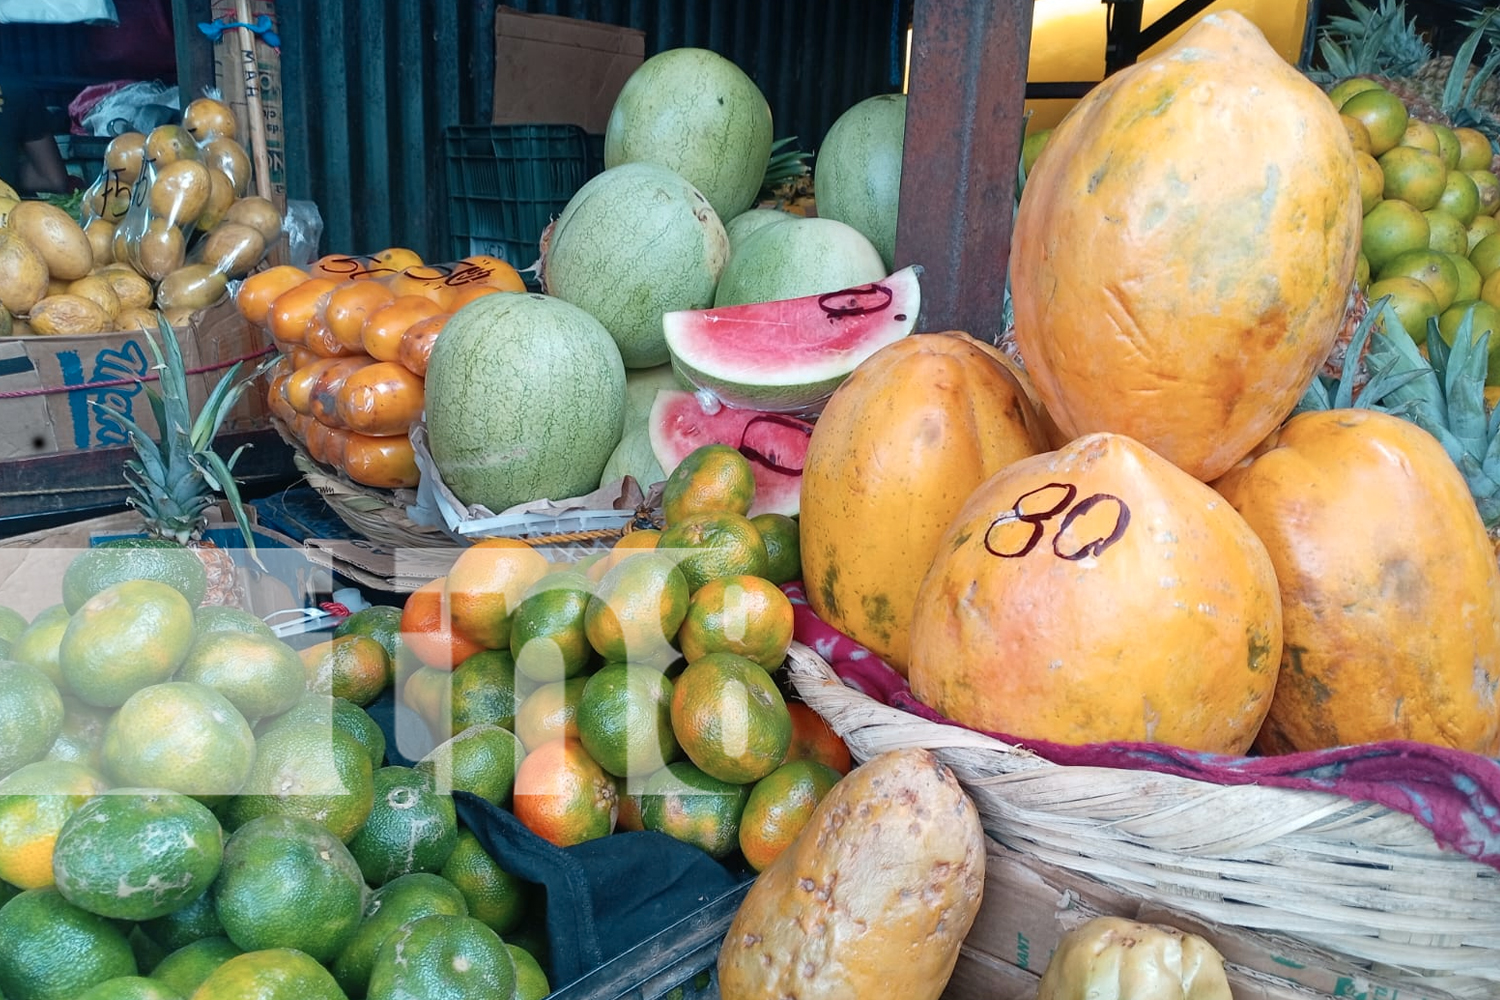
(874, 896)
(1099, 593)
(898, 448)
(1116, 957)
(1184, 248)
(1390, 592)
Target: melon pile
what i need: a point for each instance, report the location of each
(166, 226)
(1150, 518)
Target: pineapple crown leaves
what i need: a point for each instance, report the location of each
(1385, 378)
(1444, 397)
(1461, 93)
(1374, 40)
(184, 453)
(785, 165)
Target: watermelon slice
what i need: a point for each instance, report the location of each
(774, 443)
(789, 356)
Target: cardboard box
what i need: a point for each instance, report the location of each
(1029, 905)
(242, 71)
(560, 69)
(50, 417)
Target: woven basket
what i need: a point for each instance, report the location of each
(379, 515)
(1359, 881)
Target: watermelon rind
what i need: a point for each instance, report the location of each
(698, 114)
(802, 256)
(525, 401)
(633, 243)
(858, 170)
(782, 375)
(742, 225)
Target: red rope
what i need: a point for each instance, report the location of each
(335, 609)
(116, 382)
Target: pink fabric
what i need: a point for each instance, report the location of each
(1454, 794)
(83, 102)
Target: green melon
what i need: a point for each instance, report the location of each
(635, 242)
(525, 400)
(798, 258)
(634, 457)
(745, 223)
(640, 392)
(858, 170)
(698, 114)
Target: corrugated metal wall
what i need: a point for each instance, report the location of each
(370, 85)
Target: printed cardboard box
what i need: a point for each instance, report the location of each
(560, 69)
(40, 414)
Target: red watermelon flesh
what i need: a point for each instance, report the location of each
(775, 444)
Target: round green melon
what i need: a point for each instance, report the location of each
(635, 242)
(858, 170)
(745, 223)
(525, 401)
(634, 457)
(796, 258)
(698, 114)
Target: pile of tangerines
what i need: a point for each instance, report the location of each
(354, 334)
(633, 690)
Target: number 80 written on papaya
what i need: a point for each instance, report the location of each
(1073, 539)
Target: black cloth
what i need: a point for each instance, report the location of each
(603, 896)
(24, 117)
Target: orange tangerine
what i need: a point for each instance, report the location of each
(1347, 88)
(640, 540)
(712, 478)
(730, 718)
(383, 329)
(353, 667)
(1430, 267)
(349, 305)
(1359, 136)
(687, 804)
(1414, 175)
(1391, 228)
(550, 712)
(381, 400)
(814, 739)
(293, 310)
(779, 807)
(783, 540)
(428, 631)
(748, 615)
(625, 720)
(636, 610)
(713, 545)
(1488, 186)
(485, 584)
(1382, 114)
(563, 796)
(1421, 135)
(1474, 150)
(1371, 181)
(417, 341)
(259, 290)
(35, 801)
(1411, 300)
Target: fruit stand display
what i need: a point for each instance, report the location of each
(1150, 646)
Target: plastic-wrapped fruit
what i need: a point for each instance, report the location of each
(230, 157)
(160, 250)
(326, 444)
(380, 400)
(191, 287)
(101, 234)
(259, 214)
(233, 248)
(382, 462)
(1115, 957)
(385, 326)
(417, 341)
(295, 308)
(262, 288)
(109, 198)
(180, 192)
(168, 143)
(326, 389)
(206, 118)
(301, 383)
(350, 305)
(220, 197)
(319, 338)
(276, 400)
(125, 155)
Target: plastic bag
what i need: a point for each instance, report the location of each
(136, 107)
(56, 11)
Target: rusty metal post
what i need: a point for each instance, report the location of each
(963, 140)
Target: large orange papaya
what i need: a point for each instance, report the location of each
(897, 450)
(1184, 248)
(1390, 593)
(1099, 593)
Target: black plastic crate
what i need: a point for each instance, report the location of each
(507, 182)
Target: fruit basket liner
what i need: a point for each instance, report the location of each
(603, 897)
(1385, 853)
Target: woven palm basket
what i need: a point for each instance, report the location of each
(1364, 883)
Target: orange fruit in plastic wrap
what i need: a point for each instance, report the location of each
(387, 463)
(325, 444)
(428, 630)
(349, 305)
(382, 399)
(426, 280)
(467, 294)
(320, 339)
(417, 341)
(329, 383)
(383, 329)
(299, 384)
(294, 309)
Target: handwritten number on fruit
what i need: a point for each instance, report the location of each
(1036, 508)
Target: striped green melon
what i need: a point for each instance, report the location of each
(635, 242)
(858, 170)
(633, 455)
(745, 223)
(796, 258)
(698, 114)
(525, 400)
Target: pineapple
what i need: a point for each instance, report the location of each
(1442, 393)
(788, 181)
(1382, 44)
(174, 479)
